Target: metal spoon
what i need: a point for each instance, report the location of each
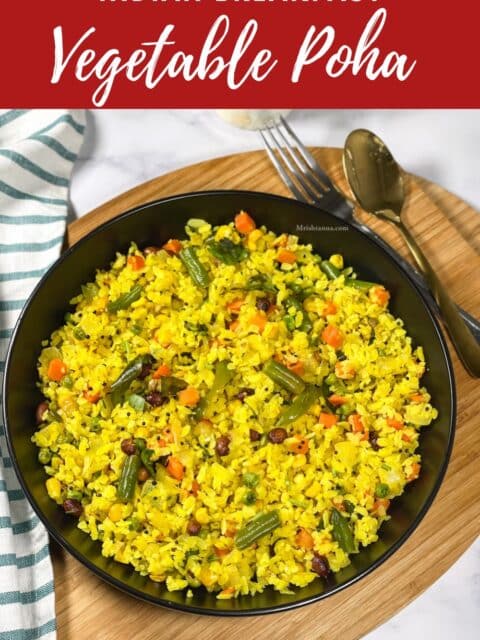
(376, 181)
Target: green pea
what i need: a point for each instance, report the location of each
(74, 494)
(382, 490)
(250, 498)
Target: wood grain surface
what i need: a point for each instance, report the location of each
(449, 231)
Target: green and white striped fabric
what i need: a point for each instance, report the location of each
(37, 152)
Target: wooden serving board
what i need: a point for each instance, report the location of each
(449, 231)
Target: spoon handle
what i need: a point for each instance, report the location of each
(467, 347)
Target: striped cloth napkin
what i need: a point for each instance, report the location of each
(37, 152)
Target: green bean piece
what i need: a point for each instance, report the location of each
(44, 455)
(145, 456)
(128, 477)
(195, 224)
(261, 525)
(195, 268)
(300, 405)
(125, 300)
(360, 284)
(227, 251)
(342, 532)
(329, 269)
(260, 282)
(283, 376)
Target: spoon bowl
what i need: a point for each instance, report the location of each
(376, 181)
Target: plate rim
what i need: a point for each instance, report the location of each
(131, 591)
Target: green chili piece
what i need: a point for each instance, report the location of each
(89, 291)
(223, 375)
(170, 386)
(227, 251)
(261, 525)
(129, 374)
(136, 402)
(300, 405)
(195, 268)
(125, 300)
(329, 269)
(128, 477)
(283, 376)
(342, 532)
(140, 443)
(145, 456)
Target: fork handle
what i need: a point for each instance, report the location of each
(472, 323)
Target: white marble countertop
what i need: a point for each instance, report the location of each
(124, 148)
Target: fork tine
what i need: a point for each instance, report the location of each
(303, 180)
(307, 156)
(279, 167)
(299, 160)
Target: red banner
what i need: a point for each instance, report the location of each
(239, 53)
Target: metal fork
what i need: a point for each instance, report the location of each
(307, 182)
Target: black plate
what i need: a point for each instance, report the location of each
(153, 224)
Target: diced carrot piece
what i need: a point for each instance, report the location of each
(228, 591)
(379, 295)
(304, 539)
(235, 306)
(162, 371)
(380, 506)
(244, 223)
(175, 468)
(162, 443)
(259, 320)
(188, 397)
(344, 370)
(406, 437)
(57, 369)
(337, 400)
(284, 256)
(329, 309)
(417, 397)
(173, 246)
(298, 445)
(220, 553)
(396, 424)
(136, 262)
(195, 488)
(297, 367)
(332, 336)
(415, 472)
(328, 419)
(91, 397)
(356, 423)
(231, 532)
